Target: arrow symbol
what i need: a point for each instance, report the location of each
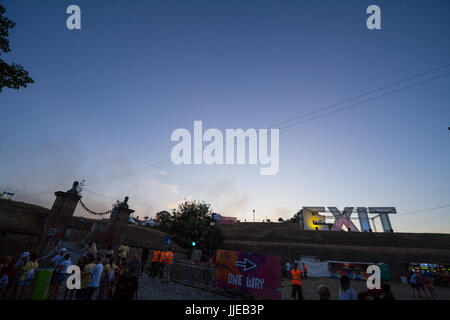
(246, 264)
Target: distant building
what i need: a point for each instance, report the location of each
(228, 220)
(8, 195)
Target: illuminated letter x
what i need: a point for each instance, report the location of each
(342, 219)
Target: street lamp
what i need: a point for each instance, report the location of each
(211, 239)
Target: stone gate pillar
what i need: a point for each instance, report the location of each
(60, 216)
(117, 225)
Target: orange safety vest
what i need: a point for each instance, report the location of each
(162, 257)
(169, 256)
(156, 254)
(305, 269)
(296, 277)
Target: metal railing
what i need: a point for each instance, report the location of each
(193, 275)
(52, 250)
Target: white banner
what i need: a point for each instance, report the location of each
(316, 269)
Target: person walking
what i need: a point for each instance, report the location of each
(420, 283)
(144, 258)
(92, 251)
(413, 283)
(167, 262)
(429, 285)
(4, 274)
(85, 278)
(59, 275)
(136, 264)
(11, 273)
(288, 268)
(305, 271)
(346, 291)
(105, 282)
(28, 273)
(115, 273)
(20, 264)
(96, 275)
(122, 253)
(386, 292)
(324, 292)
(296, 282)
(155, 262)
(127, 286)
(162, 260)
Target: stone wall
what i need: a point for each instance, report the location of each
(287, 241)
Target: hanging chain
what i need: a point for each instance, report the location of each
(93, 212)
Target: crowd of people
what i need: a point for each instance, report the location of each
(346, 292)
(105, 274)
(17, 275)
(421, 284)
(419, 281)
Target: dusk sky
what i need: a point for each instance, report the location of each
(107, 98)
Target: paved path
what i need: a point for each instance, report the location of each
(154, 289)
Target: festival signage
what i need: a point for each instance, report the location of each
(254, 274)
(167, 241)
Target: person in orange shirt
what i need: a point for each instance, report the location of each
(161, 264)
(305, 271)
(155, 262)
(296, 282)
(167, 262)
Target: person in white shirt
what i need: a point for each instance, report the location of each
(288, 268)
(346, 291)
(59, 257)
(59, 275)
(96, 275)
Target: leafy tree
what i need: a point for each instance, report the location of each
(163, 220)
(191, 221)
(280, 219)
(12, 75)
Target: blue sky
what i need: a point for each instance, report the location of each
(106, 99)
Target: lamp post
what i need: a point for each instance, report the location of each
(211, 239)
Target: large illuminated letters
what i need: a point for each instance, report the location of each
(342, 219)
(384, 212)
(310, 219)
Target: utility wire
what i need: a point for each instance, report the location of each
(169, 162)
(161, 164)
(420, 211)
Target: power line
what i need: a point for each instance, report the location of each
(361, 95)
(368, 100)
(420, 211)
(161, 164)
(169, 162)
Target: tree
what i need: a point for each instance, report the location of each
(12, 75)
(280, 219)
(163, 219)
(191, 221)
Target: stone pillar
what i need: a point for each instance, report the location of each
(117, 225)
(60, 216)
